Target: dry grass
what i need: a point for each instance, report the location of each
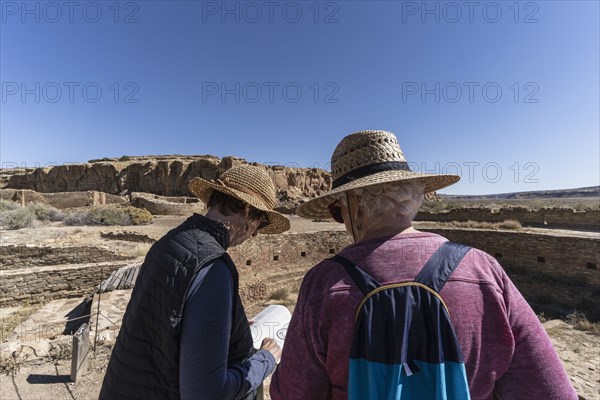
(579, 204)
(109, 215)
(61, 350)
(10, 364)
(542, 317)
(140, 250)
(509, 224)
(8, 324)
(580, 322)
(279, 294)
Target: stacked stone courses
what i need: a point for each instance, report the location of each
(546, 267)
(545, 217)
(42, 284)
(23, 257)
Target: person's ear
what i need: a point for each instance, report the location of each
(246, 212)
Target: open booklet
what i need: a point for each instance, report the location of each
(271, 322)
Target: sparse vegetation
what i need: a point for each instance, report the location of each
(8, 324)
(14, 216)
(140, 250)
(139, 216)
(10, 364)
(109, 215)
(542, 317)
(18, 218)
(580, 322)
(44, 212)
(434, 206)
(61, 350)
(7, 205)
(280, 294)
(508, 224)
(447, 204)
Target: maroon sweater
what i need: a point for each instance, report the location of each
(506, 350)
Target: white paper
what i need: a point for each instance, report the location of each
(271, 322)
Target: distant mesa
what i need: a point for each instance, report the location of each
(584, 192)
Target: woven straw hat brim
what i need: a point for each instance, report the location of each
(202, 189)
(318, 208)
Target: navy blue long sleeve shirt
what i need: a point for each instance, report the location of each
(206, 326)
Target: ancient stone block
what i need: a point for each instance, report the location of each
(80, 353)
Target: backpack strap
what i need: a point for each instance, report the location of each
(441, 265)
(365, 282)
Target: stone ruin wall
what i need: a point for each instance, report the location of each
(545, 217)
(162, 205)
(182, 206)
(62, 200)
(558, 273)
(23, 257)
(42, 284)
(548, 269)
(554, 273)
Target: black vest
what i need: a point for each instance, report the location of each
(145, 360)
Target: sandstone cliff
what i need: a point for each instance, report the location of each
(162, 175)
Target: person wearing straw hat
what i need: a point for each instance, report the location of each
(374, 193)
(185, 334)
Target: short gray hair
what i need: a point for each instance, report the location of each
(400, 200)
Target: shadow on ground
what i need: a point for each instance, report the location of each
(37, 379)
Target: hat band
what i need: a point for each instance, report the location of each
(370, 170)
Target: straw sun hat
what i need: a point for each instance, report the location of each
(247, 183)
(369, 158)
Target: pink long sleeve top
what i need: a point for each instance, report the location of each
(507, 353)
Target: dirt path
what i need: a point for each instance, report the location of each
(578, 350)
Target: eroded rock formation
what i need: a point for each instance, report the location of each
(162, 175)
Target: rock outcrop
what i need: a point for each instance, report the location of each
(162, 175)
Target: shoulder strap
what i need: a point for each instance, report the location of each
(441, 265)
(365, 282)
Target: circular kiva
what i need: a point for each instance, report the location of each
(369, 158)
(250, 184)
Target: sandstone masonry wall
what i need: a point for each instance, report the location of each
(62, 200)
(23, 257)
(561, 256)
(556, 274)
(42, 284)
(161, 205)
(549, 217)
(550, 270)
(272, 250)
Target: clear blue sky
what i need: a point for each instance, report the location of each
(185, 77)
